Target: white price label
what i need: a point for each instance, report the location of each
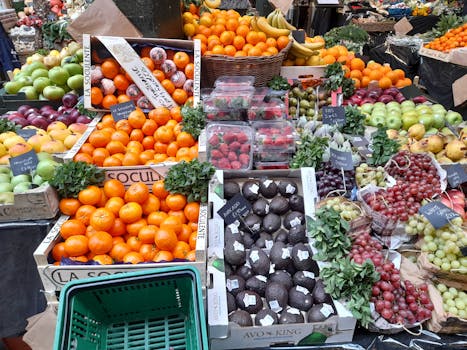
(261, 278)
(290, 189)
(254, 256)
(308, 274)
(266, 321)
(233, 227)
(303, 290)
(254, 188)
(238, 246)
(326, 310)
(266, 209)
(274, 305)
(303, 255)
(285, 253)
(256, 227)
(295, 222)
(249, 300)
(269, 244)
(266, 183)
(231, 284)
(292, 310)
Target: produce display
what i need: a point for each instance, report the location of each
(454, 38)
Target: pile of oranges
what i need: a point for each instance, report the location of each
(139, 140)
(224, 32)
(134, 225)
(454, 38)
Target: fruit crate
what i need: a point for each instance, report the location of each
(121, 311)
(10, 103)
(55, 277)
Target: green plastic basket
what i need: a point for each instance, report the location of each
(154, 309)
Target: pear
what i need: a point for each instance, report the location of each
(456, 150)
(435, 143)
(417, 131)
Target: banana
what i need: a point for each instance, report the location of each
(282, 22)
(299, 50)
(253, 24)
(275, 22)
(314, 46)
(264, 26)
(270, 16)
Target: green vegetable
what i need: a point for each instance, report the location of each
(335, 79)
(345, 279)
(351, 35)
(190, 179)
(353, 121)
(310, 150)
(84, 111)
(278, 83)
(54, 32)
(6, 125)
(329, 231)
(193, 120)
(70, 178)
(383, 148)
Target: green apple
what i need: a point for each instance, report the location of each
(453, 118)
(427, 120)
(79, 55)
(408, 120)
(30, 92)
(12, 87)
(377, 120)
(438, 120)
(75, 82)
(46, 169)
(37, 180)
(7, 198)
(6, 187)
(65, 88)
(423, 110)
(44, 156)
(25, 81)
(393, 105)
(73, 68)
(394, 112)
(366, 107)
(5, 170)
(438, 107)
(20, 178)
(40, 83)
(407, 103)
(379, 104)
(39, 72)
(22, 187)
(31, 67)
(5, 178)
(58, 75)
(53, 93)
(431, 131)
(394, 122)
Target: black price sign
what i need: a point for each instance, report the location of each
(333, 115)
(26, 133)
(24, 163)
(341, 159)
(299, 36)
(438, 214)
(122, 110)
(235, 208)
(361, 144)
(456, 175)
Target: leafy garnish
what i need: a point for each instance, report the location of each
(70, 178)
(345, 279)
(193, 120)
(310, 150)
(278, 83)
(354, 121)
(6, 125)
(84, 111)
(335, 78)
(383, 148)
(190, 179)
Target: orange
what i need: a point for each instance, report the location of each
(357, 74)
(130, 212)
(252, 37)
(136, 118)
(329, 59)
(230, 50)
(189, 70)
(115, 147)
(96, 96)
(131, 158)
(158, 74)
(357, 64)
(375, 75)
(110, 68)
(191, 256)
(242, 30)
(192, 239)
(400, 73)
(147, 233)
(385, 83)
(365, 81)
(134, 243)
(133, 258)
(103, 259)
(191, 211)
(84, 212)
(151, 204)
(114, 204)
(161, 115)
(100, 242)
(181, 250)
(172, 223)
(226, 38)
(76, 245)
(119, 250)
(184, 235)
(102, 219)
(168, 85)
(282, 42)
(108, 101)
(163, 255)
(159, 190)
(99, 138)
(114, 188)
(90, 195)
(87, 148)
(137, 192)
(157, 217)
(175, 201)
(69, 206)
(164, 134)
(136, 135)
(59, 252)
(123, 126)
(179, 96)
(133, 228)
(72, 227)
(148, 251)
(165, 239)
(121, 82)
(254, 51)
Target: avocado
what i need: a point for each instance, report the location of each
(227, 269)
(249, 301)
(281, 236)
(287, 188)
(300, 298)
(261, 207)
(282, 277)
(252, 223)
(320, 312)
(291, 269)
(305, 279)
(268, 188)
(259, 261)
(297, 234)
(302, 257)
(248, 240)
(234, 252)
(291, 315)
(231, 304)
(266, 317)
(276, 296)
(244, 272)
(319, 294)
(235, 284)
(257, 284)
(232, 232)
(271, 223)
(280, 255)
(241, 317)
(296, 203)
(231, 188)
(294, 218)
(264, 240)
(250, 190)
(279, 205)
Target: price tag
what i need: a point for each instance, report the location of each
(24, 163)
(122, 110)
(299, 36)
(403, 26)
(456, 175)
(341, 159)
(359, 141)
(438, 214)
(235, 208)
(333, 115)
(26, 133)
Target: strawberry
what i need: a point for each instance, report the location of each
(234, 146)
(224, 163)
(245, 148)
(224, 148)
(242, 137)
(216, 154)
(244, 159)
(214, 140)
(236, 165)
(229, 137)
(232, 156)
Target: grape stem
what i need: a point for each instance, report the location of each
(413, 333)
(397, 165)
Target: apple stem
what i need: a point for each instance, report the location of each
(449, 197)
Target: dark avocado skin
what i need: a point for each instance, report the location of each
(261, 207)
(242, 318)
(296, 203)
(268, 191)
(231, 188)
(299, 300)
(271, 223)
(256, 285)
(297, 234)
(292, 216)
(262, 264)
(263, 313)
(279, 205)
(282, 277)
(244, 272)
(286, 318)
(241, 284)
(299, 279)
(251, 309)
(275, 255)
(282, 187)
(247, 192)
(276, 291)
(232, 256)
(231, 304)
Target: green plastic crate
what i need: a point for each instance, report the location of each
(154, 309)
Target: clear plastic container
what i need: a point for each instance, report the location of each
(223, 114)
(279, 135)
(271, 165)
(223, 99)
(272, 156)
(260, 93)
(230, 145)
(205, 93)
(234, 82)
(267, 109)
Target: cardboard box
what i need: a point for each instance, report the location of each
(123, 52)
(456, 56)
(293, 72)
(54, 277)
(35, 204)
(225, 335)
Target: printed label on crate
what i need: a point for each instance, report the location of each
(141, 75)
(129, 175)
(235, 208)
(438, 214)
(197, 72)
(333, 115)
(122, 110)
(341, 159)
(26, 133)
(456, 175)
(24, 163)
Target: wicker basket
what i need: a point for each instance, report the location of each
(263, 68)
(383, 26)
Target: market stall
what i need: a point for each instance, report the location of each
(272, 186)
